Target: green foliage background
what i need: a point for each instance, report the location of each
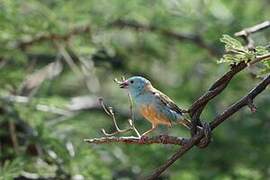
(50, 136)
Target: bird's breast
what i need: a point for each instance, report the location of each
(152, 114)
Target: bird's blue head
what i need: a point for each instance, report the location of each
(135, 85)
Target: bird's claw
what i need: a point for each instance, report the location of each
(207, 136)
(143, 138)
(164, 139)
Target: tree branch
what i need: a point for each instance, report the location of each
(244, 101)
(253, 29)
(260, 58)
(217, 87)
(193, 38)
(216, 122)
(197, 107)
(52, 37)
(161, 139)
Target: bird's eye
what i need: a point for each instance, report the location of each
(131, 81)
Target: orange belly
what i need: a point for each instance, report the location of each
(149, 113)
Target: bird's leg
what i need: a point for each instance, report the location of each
(154, 126)
(144, 137)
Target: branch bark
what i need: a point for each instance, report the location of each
(244, 101)
(245, 33)
(253, 29)
(161, 139)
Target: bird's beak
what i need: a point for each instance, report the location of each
(124, 84)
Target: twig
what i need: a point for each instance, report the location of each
(241, 103)
(265, 57)
(110, 112)
(161, 139)
(245, 33)
(131, 121)
(253, 29)
(197, 107)
(13, 136)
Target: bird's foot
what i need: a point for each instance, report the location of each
(207, 135)
(164, 138)
(143, 139)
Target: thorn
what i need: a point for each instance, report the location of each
(251, 106)
(116, 81)
(253, 109)
(130, 122)
(103, 131)
(119, 81)
(111, 110)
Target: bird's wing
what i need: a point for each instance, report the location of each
(166, 101)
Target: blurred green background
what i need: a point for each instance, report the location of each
(58, 56)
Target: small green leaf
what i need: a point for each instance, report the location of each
(232, 44)
(235, 52)
(260, 50)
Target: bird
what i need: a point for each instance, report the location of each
(152, 104)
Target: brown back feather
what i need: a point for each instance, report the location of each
(164, 99)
